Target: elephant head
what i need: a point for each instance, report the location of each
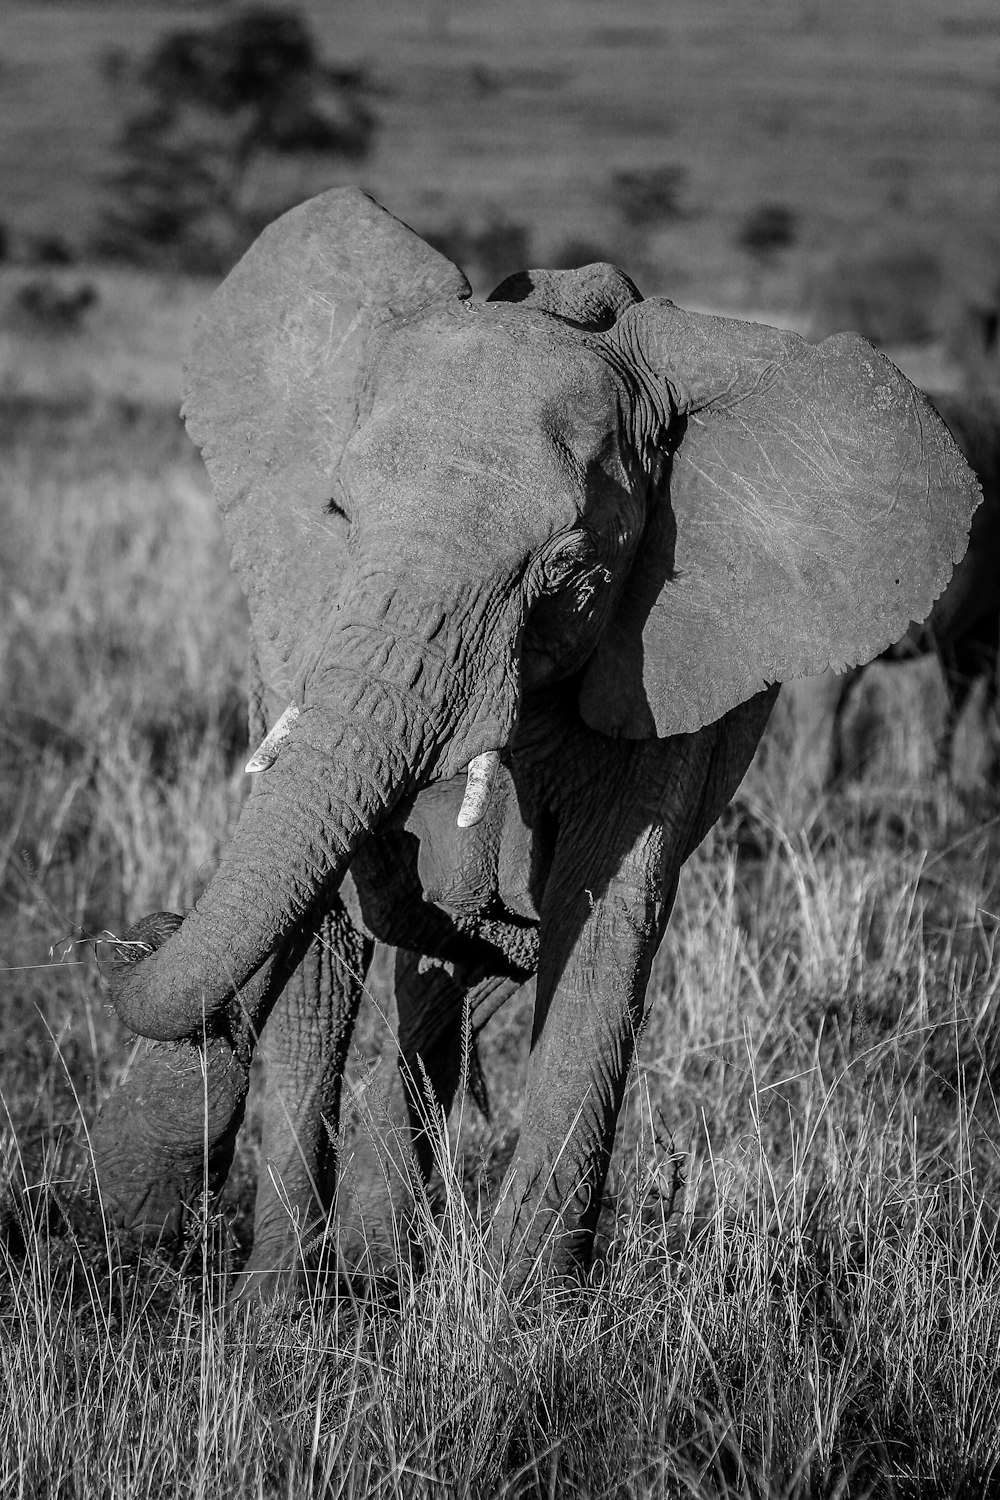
(438, 508)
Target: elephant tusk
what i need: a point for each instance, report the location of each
(482, 774)
(266, 753)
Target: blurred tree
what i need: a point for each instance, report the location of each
(888, 284)
(51, 305)
(766, 230)
(487, 250)
(216, 106)
(650, 195)
(49, 250)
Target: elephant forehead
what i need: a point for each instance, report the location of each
(501, 370)
(488, 407)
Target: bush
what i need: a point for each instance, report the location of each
(650, 195)
(889, 291)
(486, 252)
(767, 230)
(54, 306)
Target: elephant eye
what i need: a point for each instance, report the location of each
(334, 508)
(566, 557)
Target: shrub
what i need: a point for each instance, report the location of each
(49, 250)
(767, 230)
(889, 290)
(487, 251)
(54, 306)
(650, 195)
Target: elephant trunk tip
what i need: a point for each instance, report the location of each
(144, 937)
(141, 940)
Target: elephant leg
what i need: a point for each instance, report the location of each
(305, 1051)
(438, 1025)
(963, 661)
(605, 908)
(599, 939)
(812, 706)
(166, 1136)
(420, 1072)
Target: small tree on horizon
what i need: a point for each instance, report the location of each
(767, 230)
(216, 106)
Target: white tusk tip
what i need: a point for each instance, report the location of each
(266, 753)
(482, 774)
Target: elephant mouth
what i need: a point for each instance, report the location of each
(480, 869)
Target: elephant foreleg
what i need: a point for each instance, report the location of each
(305, 1050)
(963, 662)
(165, 1137)
(605, 908)
(438, 1025)
(600, 933)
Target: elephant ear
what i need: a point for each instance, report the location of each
(812, 503)
(273, 388)
(593, 297)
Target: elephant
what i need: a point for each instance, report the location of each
(962, 629)
(524, 575)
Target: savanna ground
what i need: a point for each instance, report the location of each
(798, 1284)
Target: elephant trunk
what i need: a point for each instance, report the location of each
(336, 777)
(399, 694)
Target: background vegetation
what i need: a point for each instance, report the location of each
(798, 1283)
(654, 134)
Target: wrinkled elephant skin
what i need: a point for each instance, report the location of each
(568, 539)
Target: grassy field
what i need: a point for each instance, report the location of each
(798, 1285)
(798, 1290)
(873, 121)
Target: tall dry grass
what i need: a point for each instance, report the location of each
(121, 649)
(798, 1290)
